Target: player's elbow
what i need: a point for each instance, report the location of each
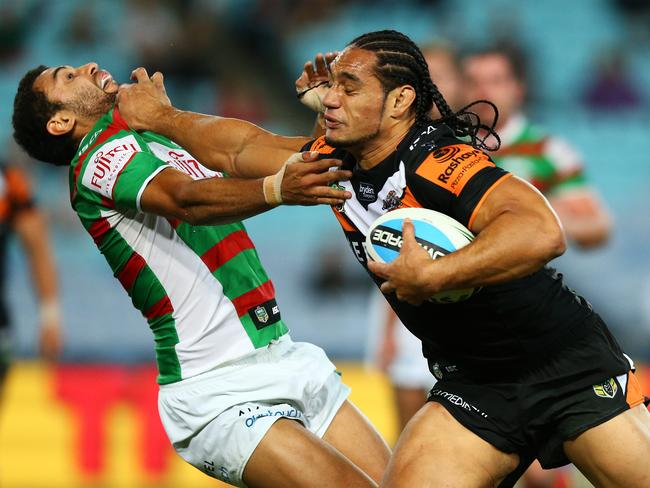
(185, 203)
(554, 241)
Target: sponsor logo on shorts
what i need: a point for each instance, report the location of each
(252, 416)
(607, 389)
(265, 314)
(457, 400)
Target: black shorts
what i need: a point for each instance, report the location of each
(580, 386)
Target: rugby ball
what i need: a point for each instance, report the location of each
(437, 233)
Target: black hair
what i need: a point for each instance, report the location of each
(400, 62)
(32, 111)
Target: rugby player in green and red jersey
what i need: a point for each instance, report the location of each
(527, 369)
(238, 399)
(550, 163)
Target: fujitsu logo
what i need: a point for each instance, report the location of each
(107, 163)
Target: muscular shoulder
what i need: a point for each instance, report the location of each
(443, 160)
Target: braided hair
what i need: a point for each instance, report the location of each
(400, 62)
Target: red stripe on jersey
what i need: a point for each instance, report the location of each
(226, 249)
(523, 149)
(98, 230)
(118, 121)
(131, 270)
(174, 223)
(160, 308)
(261, 294)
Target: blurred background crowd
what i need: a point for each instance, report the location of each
(588, 81)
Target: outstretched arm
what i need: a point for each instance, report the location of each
(234, 146)
(221, 200)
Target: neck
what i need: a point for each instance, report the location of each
(373, 152)
(82, 127)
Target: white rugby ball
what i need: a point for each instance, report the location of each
(436, 232)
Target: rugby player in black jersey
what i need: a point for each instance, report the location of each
(526, 368)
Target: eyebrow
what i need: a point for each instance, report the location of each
(56, 71)
(349, 76)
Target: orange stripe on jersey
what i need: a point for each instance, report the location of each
(18, 187)
(409, 200)
(452, 167)
(634, 394)
(484, 197)
(343, 221)
(321, 146)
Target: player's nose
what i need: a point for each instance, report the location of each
(89, 68)
(330, 100)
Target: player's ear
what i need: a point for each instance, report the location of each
(61, 123)
(400, 100)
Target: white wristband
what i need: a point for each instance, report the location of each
(272, 187)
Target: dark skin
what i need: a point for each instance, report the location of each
(369, 123)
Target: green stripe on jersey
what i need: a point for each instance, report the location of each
(109, 182)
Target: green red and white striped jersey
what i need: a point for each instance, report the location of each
(548, 163)
(202, 289)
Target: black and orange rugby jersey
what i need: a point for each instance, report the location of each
(15, 197)
(501, 330)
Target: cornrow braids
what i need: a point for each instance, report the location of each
(401, 62)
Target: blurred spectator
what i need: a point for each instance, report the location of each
(638, 15)
(498, 74)
(19, 215)
(610, 87)
(81, 28)
(332, 278)
(552, 165)
(445, 73)
(240, 98)
(15, 20)
(153, 31)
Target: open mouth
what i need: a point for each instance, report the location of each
(104, 79)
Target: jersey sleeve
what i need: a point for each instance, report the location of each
(455, 180)
(119, 170)
(567, 165)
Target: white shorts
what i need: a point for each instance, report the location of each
(409, 368)
(216, 420)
